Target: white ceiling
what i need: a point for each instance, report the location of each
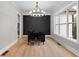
(48, 6)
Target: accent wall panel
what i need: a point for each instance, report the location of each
(36, 24)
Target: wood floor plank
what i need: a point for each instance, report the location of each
(49, 49)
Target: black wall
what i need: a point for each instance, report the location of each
(37, 24)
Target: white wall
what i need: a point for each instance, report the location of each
(52, 25)
(8, 25)
(21, 25)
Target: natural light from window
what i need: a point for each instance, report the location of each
(66, 24)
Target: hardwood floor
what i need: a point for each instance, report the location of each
(49, 49)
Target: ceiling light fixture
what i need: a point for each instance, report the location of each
(37, 11)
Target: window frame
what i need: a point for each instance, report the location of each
(67, 30)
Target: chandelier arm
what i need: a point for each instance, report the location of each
(37, 11)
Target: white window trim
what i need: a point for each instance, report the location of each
(77, 21)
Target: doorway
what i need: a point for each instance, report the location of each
(18, 26)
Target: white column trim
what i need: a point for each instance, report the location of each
(78, 21)
(59, 25)
(67, 30)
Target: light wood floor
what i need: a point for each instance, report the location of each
(49, 49)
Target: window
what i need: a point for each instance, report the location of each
(63, 30)
(65, 23)
(57, 24)
(72, 17)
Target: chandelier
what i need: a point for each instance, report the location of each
(37, 11)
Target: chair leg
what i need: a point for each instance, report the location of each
(28, 43)
(38, 42)
(43, 43)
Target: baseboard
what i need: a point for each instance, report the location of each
(72, 50)
(7, 47)
(24, 35)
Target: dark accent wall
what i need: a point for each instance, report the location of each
(37, 24)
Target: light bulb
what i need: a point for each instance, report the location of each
(42, 11)
(33, 14)
(33, 10)
(30, 12)
(36, 14)
(38, 10)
